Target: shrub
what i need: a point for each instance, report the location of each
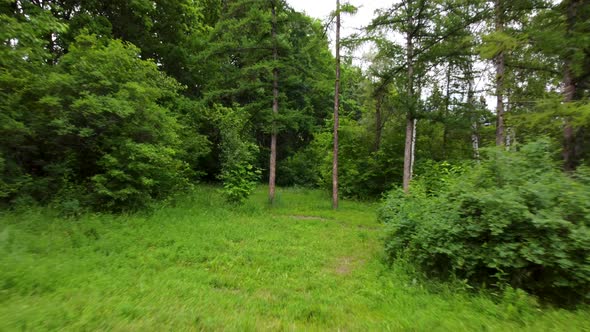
(436, 176)
(515, 219)
(239, 182)
(238, 153)
(104, 118)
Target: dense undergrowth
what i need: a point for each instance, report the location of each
(513, 220)
(197, 263)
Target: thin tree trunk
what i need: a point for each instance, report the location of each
(410, 125)
(474, 119)
(568, 146)
(509, 133)
(336, 108)
(500, 69)
(378, 123)
(408, 153)
(474, 123)
(275, 111)
(446, 112)
(475, 140)
(413, 154)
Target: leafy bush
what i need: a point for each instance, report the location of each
(238, 154)
(515, 219)
(103, 118)
(436, 176)
(239, 182)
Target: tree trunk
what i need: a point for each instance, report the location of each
(475, 140)
(410, 124)
(569, 90)
(446, 112)
(509, 132)
(500, 68)
(336, 108)
(474, 118)
(408, 153)
(275, 111)
(378, 123)
(413, 154)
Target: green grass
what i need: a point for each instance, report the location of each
(202, 265)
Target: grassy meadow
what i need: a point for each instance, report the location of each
(200, 264)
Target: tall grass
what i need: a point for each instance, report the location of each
(196, 263)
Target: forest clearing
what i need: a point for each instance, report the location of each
(295, 165)
(202, 265)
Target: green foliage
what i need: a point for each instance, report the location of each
(515, 219)
(303, 167)
(363, 173)
(239, 64)
(23, 57)
(89, 115)
(101, 117)
(163, 30)
(435, 177)
(239, 182)
(497, 42)
(116, 112)
(13, 184)
(238, 174)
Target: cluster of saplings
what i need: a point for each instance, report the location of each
(111, 105)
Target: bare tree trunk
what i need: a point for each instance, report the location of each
(275, 111)
(475, 140)
(509, 132)
(413, 154)
(378, 123)
(410, 125)
(336, 108)
(446, 112)
(408, 153)
(500, 68)
(474, 119)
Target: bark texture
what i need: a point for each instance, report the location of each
(336, 108)
(569, 90)
(500, 69)
(275, 111)
(410, 124)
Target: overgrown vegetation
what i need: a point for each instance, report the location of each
(202, 264)
(515, 220)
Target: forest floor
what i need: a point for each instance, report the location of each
(199, 264)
